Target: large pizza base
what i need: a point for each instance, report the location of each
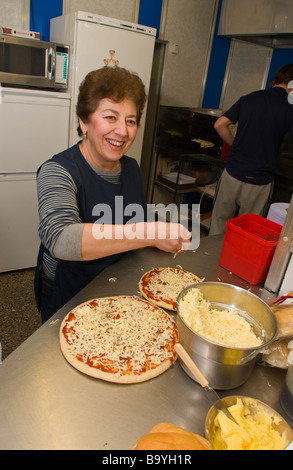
(162, 286)
(121, 339)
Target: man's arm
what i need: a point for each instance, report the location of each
(222, 126)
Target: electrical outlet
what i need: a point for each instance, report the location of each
(174, 49)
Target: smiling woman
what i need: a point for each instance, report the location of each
(95, 171)
(109, 110)
(109, 133)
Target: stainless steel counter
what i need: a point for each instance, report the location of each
(47, 404)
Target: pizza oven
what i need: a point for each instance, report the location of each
(189, 130)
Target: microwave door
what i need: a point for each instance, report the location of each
(29, 63)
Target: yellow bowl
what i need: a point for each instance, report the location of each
(253, 406)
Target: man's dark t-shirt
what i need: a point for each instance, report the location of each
(263, 117)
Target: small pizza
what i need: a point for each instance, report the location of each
(203, 143)
(162, 286)
(122, 339)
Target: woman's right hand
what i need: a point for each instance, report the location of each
(170, 237)
(100, 240)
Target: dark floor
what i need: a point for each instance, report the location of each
(19, 317)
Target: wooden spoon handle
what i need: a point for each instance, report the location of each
(190, 364)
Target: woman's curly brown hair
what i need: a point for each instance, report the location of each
(114, 83)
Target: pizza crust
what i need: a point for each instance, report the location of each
(69, 350)
(203, 143)
(171, 281)
(123, 379)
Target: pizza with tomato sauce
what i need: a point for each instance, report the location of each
(122, 339)
(162, 286)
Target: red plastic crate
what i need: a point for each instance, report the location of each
(249, 246)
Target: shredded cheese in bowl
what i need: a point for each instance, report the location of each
(222, 326)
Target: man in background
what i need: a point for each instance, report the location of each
(263, 118)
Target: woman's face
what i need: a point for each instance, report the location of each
(111, 130)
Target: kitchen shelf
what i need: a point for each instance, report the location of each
(187, 144)
(203, 168)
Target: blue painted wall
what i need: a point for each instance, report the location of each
(280, 57)
(217, 68)
(40, 13)
(150, 12)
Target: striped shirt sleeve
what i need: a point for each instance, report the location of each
(57, 207)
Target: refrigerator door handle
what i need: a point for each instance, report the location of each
(17, 175)
(17, 172)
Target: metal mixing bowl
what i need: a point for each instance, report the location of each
(227, 367)
(253, 405)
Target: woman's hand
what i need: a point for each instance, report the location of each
(99, 241)
(170, 237)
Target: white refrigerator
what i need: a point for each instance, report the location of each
(34, 126)
(96, 41)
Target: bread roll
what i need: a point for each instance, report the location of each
(284, 314)
(166, 436)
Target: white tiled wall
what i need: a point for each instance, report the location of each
(14, 14)
(246, 71)
(188, 24)
(125, 10)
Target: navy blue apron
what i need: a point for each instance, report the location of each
(72, 276)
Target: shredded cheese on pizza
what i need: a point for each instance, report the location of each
(226, 327)
(203, 143)
(166, 283)
(121, 335)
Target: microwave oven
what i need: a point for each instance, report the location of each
(32, 63)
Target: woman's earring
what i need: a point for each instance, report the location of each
(84, 136)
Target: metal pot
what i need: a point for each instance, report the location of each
(227, 367)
